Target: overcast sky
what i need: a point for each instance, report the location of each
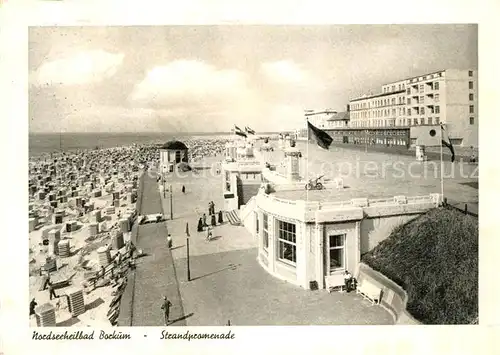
(207, 78)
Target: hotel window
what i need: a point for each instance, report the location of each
(471, 109)
(265, 233)
(422, 110)
(409, 101)
(436, 120)
(409, 112)
(471, 85)
(471, 97)
(429, 120)
(421, 100)
(415, 121)
(422, 120)
(436, 86)
(393, 87)
(256, 223)
(286, 242)
(471, 120)
(471, 73)
(335, 257)
(436, 109)
(421, 88)
(408, 91)
(436, 98)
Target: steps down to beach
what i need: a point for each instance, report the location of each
(233, 218)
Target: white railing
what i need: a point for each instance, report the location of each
(312, 206)
(419, 199)
(336, 204)
(380, 201)
(249, 207)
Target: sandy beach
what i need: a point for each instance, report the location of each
(82, 206)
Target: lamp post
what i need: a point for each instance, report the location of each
(187, 251)
(366, 141)
(163, 178)
(171, 204)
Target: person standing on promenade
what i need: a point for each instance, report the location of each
(220, 217)
(209, 233)
(52, 293)
(166, 309)
(183, 189)
(204, 220)
(32, 306)
(200, 225)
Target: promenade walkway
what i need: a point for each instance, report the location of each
(155, 275)
(228, 284)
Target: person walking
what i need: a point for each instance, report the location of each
(33, 304)
(183, 189)
(209, 234)
(200, 225)
(52, 293)
(220, 217)
(166, 309)
(213, 222)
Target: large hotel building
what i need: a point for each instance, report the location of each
(449, 96)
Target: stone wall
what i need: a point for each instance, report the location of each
(394, 298)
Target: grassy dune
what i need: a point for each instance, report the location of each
(435, 259)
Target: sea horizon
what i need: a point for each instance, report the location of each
(50, 142)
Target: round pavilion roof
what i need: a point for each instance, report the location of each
(174, 145)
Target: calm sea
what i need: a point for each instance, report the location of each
(47, 142)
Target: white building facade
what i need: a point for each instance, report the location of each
(449, 97)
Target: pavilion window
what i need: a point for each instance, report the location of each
(287, 248)
(265, 232)
(256, 223)
(228, 181)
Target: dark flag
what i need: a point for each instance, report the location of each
(445, 140)
(321, 137)
(239, 131)
(249, 130)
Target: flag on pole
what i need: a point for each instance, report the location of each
(445, 141)
(249, 130)
(322, 138)
(239, 131)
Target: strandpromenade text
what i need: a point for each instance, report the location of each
(195, 336)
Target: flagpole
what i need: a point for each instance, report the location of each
(307, 159)
(442, 164)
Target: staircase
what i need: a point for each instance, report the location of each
(233, 218)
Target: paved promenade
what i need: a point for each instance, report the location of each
(228, 284)
(155, 275)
